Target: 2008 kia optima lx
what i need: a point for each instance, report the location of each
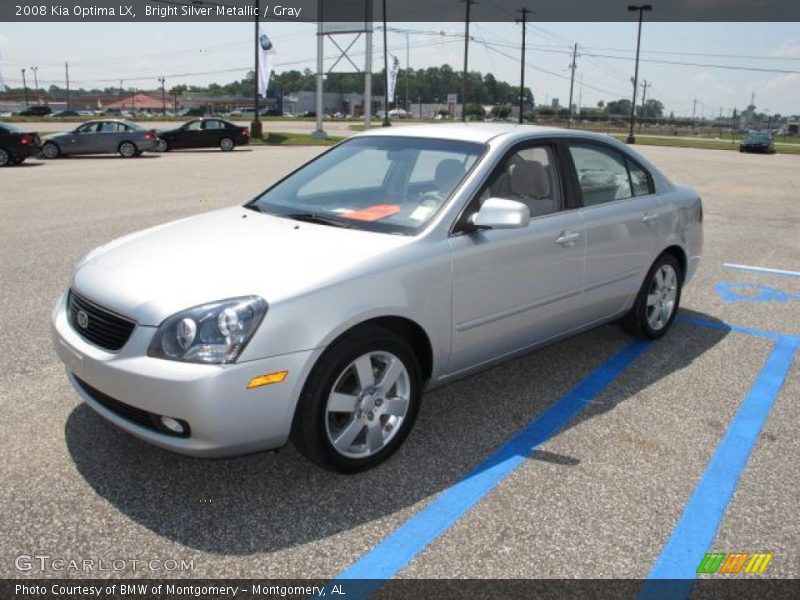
(394, 262)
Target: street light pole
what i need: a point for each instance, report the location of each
(25, 88)
(386, 122)
(255, 126)
(524, 21)
(36, 80)
(163, 97)
(641, 9)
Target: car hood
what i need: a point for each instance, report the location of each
(233, 252)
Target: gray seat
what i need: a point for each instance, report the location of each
(530, 184)
(448, 173)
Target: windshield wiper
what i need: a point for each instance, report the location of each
(318, 219)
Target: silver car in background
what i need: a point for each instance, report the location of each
(106, 136)
(396, 261)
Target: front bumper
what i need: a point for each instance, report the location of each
(225, 418)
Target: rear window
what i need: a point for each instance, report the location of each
(9, 128)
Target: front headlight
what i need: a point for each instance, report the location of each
(214, 333)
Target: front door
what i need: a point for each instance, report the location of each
(513, 288)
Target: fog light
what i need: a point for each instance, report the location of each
(172, 424)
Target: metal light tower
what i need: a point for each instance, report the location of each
(25, 88)
(255, 126)
(641, 9)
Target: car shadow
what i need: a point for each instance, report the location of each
(109, 156)
(28, 164)
(205, 150)
(271, 501)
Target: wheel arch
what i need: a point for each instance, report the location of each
(407, 328)
(680, 255)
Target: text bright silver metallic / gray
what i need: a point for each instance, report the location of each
(394, 262)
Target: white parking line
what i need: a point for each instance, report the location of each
(761, 269)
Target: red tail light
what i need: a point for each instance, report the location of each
(149, 135)
(245, 131)
(25, 138)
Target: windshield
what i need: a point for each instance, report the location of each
(376, 183)
(757, 136)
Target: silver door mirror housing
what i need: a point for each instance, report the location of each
(499, 213)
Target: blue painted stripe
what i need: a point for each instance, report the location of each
(770, 335)
(764, 270)
(407, 541)
(697, 527)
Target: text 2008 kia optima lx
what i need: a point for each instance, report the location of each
(394, 262)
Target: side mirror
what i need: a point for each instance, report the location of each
(499, 213)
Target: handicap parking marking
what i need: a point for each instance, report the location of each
(743, 291)
(412, 537)
(764, 270)
(697, 527)
(698, 524)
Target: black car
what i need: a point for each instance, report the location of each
(16, 145)
(757, 141)
(204, 133)
(35, 111)
(64, 113)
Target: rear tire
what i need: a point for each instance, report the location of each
(226, 144)
(364, 393)
(657, 302)
(162, 145)
(127, 150)
(50, 151)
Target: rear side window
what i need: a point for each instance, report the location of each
(602, 174)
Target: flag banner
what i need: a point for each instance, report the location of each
(394, 69)
(266, 62)
(3, 85)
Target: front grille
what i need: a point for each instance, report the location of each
(141, 417)
(98, 325)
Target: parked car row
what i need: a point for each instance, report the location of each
(117, 136)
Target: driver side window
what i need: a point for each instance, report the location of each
(529, 176)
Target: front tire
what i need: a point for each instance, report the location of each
(657, 302)
(127, 150)
(162, 145)
(226, 144)
(50, 151)
(5, 158)
(360, 401)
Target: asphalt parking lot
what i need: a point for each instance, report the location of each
(641, 456)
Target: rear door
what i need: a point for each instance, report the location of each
(108, 137)
(620, 213)
(212, 132)
(513, 288)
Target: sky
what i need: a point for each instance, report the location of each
(100, 54)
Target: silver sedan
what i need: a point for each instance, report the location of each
(395, 262)
(101, 137)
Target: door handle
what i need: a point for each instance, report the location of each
(567, 237)
(648, 218)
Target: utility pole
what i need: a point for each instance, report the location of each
(524, 21)
(641, 9)
(408, 54)
(572, 68)
(163, 97)
(694, 110)
(385, 72)
(255, 126)
(466, 62)
(25, 88)
(66, 67)
(644, 96)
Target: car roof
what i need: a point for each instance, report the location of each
(484, 132)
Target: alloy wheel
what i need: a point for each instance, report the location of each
(367, 404)
(5, 158)
(661, 297)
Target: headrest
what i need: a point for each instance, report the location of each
(529, 178)
(448, 172)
